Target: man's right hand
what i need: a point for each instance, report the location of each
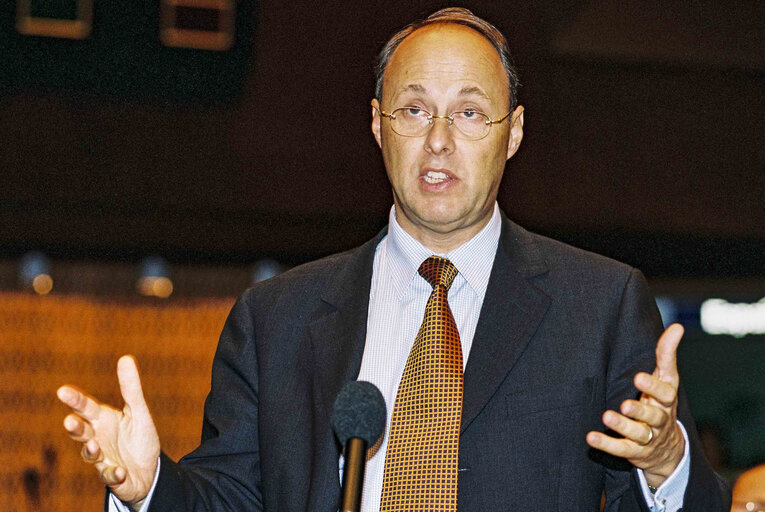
(122, 445)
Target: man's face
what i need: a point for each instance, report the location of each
(444, 187)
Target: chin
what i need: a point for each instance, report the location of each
(444, 223)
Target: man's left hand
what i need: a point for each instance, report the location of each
(653, 441)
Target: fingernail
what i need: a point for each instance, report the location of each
(69, 423)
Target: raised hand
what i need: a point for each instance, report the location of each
(652, 438)
(123, 445)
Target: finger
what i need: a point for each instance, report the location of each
(636, 431)
(663, 392)
(617, 447)
(91, 452)
(111, 475)
(648, 414)
(83, 404)
(666, 354)
(130, 383)
(78, 429)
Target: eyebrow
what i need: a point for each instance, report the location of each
(413, 87)
(471, 90)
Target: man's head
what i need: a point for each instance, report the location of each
(455, 16)
(749, 491)
(445, 180)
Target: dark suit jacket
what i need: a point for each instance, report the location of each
(561, 335)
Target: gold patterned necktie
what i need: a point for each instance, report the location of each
(421, 460)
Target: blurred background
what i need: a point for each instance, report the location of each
(158, 157)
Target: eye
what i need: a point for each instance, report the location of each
(415, 112)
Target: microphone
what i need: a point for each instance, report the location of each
(358, 420)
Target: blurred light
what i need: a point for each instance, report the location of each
(193, 30)
(719, 316)
(265, 269)
(51, 25)
(42, 284)
(34, 273)
(161, 287)
(154, 280)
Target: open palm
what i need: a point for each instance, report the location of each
(123, 445)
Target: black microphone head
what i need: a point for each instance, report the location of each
(359, 412)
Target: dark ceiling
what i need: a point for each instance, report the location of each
(644, 140)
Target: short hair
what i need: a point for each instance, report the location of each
(455, 16)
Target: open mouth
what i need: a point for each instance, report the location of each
(434, 177)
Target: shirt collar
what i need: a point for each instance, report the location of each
(473, 259)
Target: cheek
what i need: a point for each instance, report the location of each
(400, 156)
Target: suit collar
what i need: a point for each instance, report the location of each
(522, 249)
(473, 259)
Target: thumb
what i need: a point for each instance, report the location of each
(130, 384)
(666, 354)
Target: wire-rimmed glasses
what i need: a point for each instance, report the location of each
(415, 121)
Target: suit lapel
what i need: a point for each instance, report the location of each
(511, 313)
(337, 332)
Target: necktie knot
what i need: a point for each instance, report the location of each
(437, 270)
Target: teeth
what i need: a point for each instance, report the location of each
(435, 177)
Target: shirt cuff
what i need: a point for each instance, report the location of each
(117, 505)
(669, 495)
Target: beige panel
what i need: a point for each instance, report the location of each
(52, 340)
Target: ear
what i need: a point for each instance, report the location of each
(516, 131)
(376, 117)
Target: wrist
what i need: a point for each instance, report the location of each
(656, 476)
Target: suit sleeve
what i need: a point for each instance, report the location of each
(635, 334)
(223, 473)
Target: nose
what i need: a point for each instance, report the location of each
(440, 138)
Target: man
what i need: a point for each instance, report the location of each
(552, 337)
(749, 491)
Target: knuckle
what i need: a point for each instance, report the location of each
(106, 477)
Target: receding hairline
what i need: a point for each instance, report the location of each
(440, 25)
(456, 17)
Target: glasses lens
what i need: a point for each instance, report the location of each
(410, 121)
(472, 124)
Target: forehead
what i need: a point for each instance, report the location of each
(441, 58)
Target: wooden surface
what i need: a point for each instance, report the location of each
(49, 341)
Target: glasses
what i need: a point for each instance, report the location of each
(415, 121)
